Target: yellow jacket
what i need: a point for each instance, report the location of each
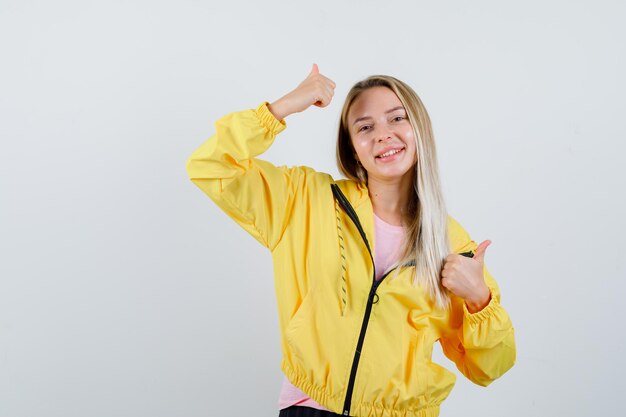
(357, 346)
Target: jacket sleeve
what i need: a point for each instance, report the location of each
(254, 193)
(481, 344)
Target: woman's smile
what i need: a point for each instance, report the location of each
(390, 155)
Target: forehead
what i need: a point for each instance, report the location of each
(373, 102)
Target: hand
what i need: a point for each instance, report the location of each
(316, 89)
(464, 278)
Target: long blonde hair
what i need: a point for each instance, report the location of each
(426, 244)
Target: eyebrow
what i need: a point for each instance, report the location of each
(369, 117)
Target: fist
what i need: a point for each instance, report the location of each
(463, 277)
(316, 89)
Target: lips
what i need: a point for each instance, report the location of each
(389, 151)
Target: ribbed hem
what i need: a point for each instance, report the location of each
(485, 313)
(316, 394)
(268, 119)
(335, 403)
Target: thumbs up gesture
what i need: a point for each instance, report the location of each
(464, 278)
(316, 89)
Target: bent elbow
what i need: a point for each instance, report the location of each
(484, 377)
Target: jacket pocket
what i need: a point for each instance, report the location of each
(303, 315)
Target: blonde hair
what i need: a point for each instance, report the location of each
(426, 244)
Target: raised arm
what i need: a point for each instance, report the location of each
(254, 192)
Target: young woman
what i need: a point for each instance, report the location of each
(369, 271)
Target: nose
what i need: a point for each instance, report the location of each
(383, 135)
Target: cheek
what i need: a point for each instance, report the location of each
(360, 146)
(411, 146)
(360, 143)
(408, 134)
(414, 151)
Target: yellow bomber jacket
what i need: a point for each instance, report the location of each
(358, 346)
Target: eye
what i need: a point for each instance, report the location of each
(363, 128)
(398, 117)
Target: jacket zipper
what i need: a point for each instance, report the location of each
(343, 201)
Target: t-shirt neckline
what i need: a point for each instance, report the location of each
(387, 225)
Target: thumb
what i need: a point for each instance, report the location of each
(315, 70)
(479, 254)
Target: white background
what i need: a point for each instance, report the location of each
(124, 291)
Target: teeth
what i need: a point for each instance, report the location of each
(394, 151)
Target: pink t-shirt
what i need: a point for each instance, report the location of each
(387, 243)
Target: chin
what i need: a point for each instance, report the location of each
(394, 175)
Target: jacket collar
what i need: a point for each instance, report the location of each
(357, 193)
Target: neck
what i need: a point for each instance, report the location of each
(390, 198)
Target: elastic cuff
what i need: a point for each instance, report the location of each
(268, 119)
(486, 312)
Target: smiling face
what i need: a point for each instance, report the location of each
(382, 135)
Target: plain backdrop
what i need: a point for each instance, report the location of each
(125, 291)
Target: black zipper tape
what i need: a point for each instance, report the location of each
(343, 201)
(371, 299)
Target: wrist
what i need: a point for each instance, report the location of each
(278, 109)
(475, 305)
